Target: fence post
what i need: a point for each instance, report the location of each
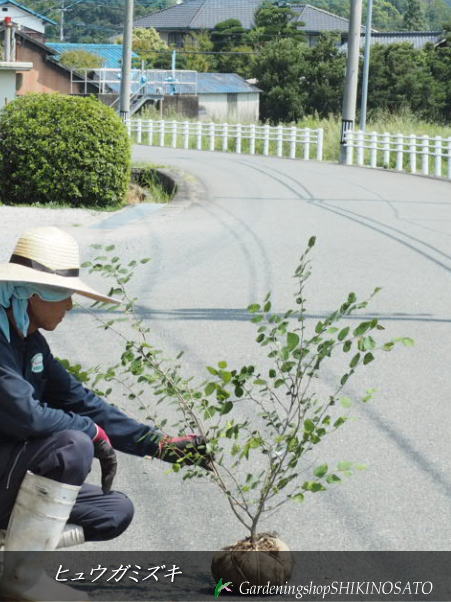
(307, 144)
(349, 142)
(438, 156)
(139, 130)
(360, 141)
(279, 150)
(174, 134)
(212, 136)
(425, 156)
(225, 137)
(162, 133)
(399, 152)
(413, 153)
(186, 135)
(293, 134)
(128, 125)
(238, 138)
(150, 133)
(266, 140)
(386, 146)
(252, 139)
(449, 158)
(199, 135)
(320, 145)
(373, 151)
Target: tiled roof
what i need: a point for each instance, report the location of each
(418, 39)
(223, 83)
(28, 10)
(205, 14)
(317, 19)
(111, 53)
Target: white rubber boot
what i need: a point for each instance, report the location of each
(37, 522)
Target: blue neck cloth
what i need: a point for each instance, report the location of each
(16, 295)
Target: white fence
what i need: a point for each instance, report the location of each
(415, 154)
(279, 141)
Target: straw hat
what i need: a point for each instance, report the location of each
(48, 256)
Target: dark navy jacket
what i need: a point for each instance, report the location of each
(39, 397)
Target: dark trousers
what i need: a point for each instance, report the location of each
(66, 457)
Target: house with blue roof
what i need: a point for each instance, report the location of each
(110, 53)
(25, 19)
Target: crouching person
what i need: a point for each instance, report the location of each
(51, 427)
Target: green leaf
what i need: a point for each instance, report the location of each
(355, 360)
(222, 365)
(298, 497)
(311, 242)
(292, 340)
(362, 328)
(313, 486)
(267, 306)
(226, 407)
(212, 370)
(345, 402)
(309, 426)
(110, 248)
(321, 470)
(255, 307)
(344, 379)
(388, 346)
(347, 346)
(333, 478)
(369, 357)
(272, 373)
(209, 389)
(407, 342)
(343, 333)
(344, 466)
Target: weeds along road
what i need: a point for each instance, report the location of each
(243, 239)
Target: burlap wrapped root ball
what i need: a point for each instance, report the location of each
(270, 560)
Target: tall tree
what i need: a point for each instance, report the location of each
(274, 22)
(413, 17)
(227, 34)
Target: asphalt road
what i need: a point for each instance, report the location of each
(228, 249)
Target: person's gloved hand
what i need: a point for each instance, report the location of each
(103, 450)
(185, 450)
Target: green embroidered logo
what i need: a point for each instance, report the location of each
(220, 586)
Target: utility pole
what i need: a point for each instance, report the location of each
(124, 110)
(352, 74)
(366, 65)
(62, 21)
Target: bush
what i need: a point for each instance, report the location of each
(63, 149)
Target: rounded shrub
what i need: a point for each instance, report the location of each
(63, 149)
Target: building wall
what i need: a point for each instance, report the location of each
(7, 86)
(242, 107)
(21, 18)
(45, 76)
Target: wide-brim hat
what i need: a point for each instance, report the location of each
(49, 256)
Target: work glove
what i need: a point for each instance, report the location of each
(186, 451)
(103, 450)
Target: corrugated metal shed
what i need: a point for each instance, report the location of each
(418, 39)
(111, 53)
(223, 83)
(205, 14)
(28, 10)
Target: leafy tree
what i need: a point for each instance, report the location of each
(324, 76)
(413, 17)
(273, 22)
(243, 64)
(279, 69)
(227, 34)
(81, 59)
(147, 44)
(400, 77)
(200, 42)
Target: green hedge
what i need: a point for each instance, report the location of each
(60, 149)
